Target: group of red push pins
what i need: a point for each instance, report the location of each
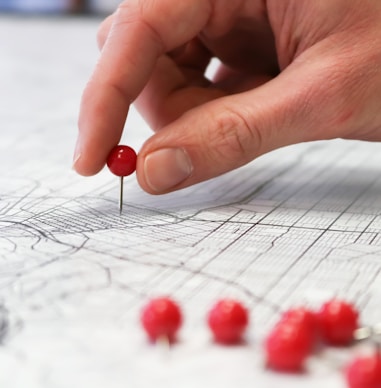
(297, 334)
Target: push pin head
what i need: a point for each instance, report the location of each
(364, 371)
(292, 340)
(338, 321)
(228, 320)
(161, 319)
(122, 162)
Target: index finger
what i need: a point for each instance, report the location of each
(142, 30)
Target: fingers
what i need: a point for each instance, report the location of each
(172, 91)
(141, 31)
(176, 85)
(229, 132)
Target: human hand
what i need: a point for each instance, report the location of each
(292, 71)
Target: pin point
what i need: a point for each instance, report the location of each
(369, 332)
(161, 318)
(122, 162)
(228, 320)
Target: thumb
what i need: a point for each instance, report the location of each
(229, 132)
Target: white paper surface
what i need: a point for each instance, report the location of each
(295, 227)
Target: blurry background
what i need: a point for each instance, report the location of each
(58, 6)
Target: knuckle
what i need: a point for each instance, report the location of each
(140, 13)
(233, 138)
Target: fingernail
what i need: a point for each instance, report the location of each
(166, 168)
(77, 154)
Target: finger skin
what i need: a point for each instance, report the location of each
(104, 30)
(136, 39)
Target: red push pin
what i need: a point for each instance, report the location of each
(338, 322)
(161, 319)
(364, 371)
(228, 320)
(304, 317)
(289, 344)
(122, 162)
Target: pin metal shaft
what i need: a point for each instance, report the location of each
(121, 196)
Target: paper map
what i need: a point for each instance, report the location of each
(295, 227)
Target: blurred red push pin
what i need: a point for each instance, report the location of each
(122, 162)
(228, 320)
(161, 318)
(364, 371)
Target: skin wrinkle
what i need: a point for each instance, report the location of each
(230, 143)
(222, 18)
(322, 92)
(282, 21)
(167, 29)
(345, 25)
(347, 80)
(153, 35)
